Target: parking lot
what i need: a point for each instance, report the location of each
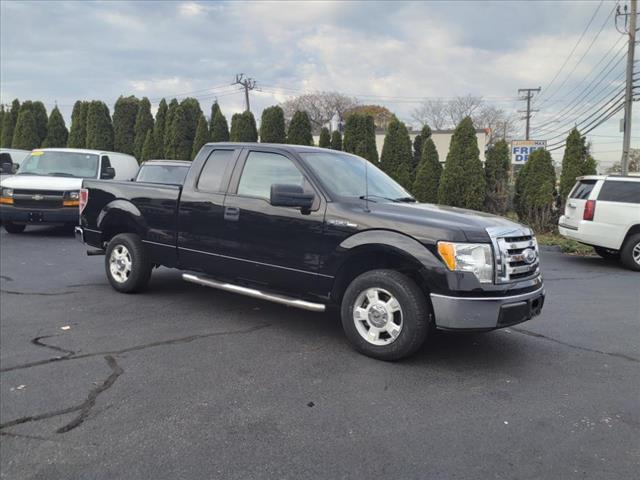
(188, 382)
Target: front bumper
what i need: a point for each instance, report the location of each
(485, 313)
(52, 216)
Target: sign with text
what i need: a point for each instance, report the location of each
(521, 149)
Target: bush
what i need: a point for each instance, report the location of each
(125, 112)
(243, 128)
(496, 169)
(99, 128)
(576, 162)
(159, 128)
(325, 138)
(272, 125)
(149, 148)
(202, 136)
(396, 158)
(144, 124)
(428, 173)
(360, 136)
(336, 140)
(78, 130)
(25, 135)
(57, 133)
(219, 131)
(463, 183)
(534, 192)
(9, 124)
(299, 132)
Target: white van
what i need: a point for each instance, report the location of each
(604, 211)
(45, 190)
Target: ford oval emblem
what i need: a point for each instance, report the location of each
(529, 255)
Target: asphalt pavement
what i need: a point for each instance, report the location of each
(186, 382)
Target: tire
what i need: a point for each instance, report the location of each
(402, 327)
(11, 227)
(607, 253)
(630, 252)
(127, 263)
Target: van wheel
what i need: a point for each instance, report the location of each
(11, 227)
(630, 253)
(607, 253)
(385, 315)
(127, 263)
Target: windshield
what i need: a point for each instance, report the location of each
(60, 164)
(344, 176)
(162, 174)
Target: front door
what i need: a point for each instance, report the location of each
(278, 247)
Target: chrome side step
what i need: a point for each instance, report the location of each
(250, 292)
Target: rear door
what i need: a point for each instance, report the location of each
(574, 209)
(617, 209)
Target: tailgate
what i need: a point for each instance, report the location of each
(574, 209)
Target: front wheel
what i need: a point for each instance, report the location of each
(630, 253)
(127, 264)
(607, 253)
(385, 315)
(11, 227)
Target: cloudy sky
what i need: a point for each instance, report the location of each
(390, 53)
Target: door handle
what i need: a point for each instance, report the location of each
(232, 213)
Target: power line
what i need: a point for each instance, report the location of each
(581, 58)
(574, 47)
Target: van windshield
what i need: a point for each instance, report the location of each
(344, 176)
(60, 164)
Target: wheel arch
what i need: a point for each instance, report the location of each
(632, 231)
(120, 216)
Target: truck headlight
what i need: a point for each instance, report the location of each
(7, 196)
(71, 199)
(476, 258)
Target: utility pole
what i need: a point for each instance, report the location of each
(528, 111)
(248, 84)
(630, 19)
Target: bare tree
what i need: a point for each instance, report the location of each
(432, 113)
(460, 107)
(320, 106)
(501, 124)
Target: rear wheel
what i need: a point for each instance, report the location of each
(14, 227)
(127, 263)
(630, 252)
(385, 315)
(607, 253)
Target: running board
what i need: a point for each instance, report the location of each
(250, 292)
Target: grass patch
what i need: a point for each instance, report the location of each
(566, 245)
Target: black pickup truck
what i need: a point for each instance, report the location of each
(312, 228)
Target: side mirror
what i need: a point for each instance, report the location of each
(291, 196)
(108, 173)
(7, 167)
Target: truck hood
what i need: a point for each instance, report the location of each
(472, 224)
(42, 182)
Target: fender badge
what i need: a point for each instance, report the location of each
(342, 223)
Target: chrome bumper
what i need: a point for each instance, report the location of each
(79, 233)
(485, 313)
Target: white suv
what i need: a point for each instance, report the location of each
(604, 211)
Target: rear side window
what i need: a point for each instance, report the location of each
(624, 192)
(214, 171)
(262, 170)
(582, 190)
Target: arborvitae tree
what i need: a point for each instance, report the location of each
(219, 128)
(535, 185)
(1, 120)
(171, 110)
(299, 132)
(215, 109)
(396, 158)
(144, 123)
(429, 171)
(99, 127)
(360, 134)
(179, 144)
(417, 152)
(496, 170)
(9, 124)
(57, 133)
(25, 135)
(159, 129)
(272, 125)
(202, 136)
(41, 118)
(463, 183)
(125, 112)
(192, 112)
(325, 138)
(149, 148)
(78, 130)
(590, 165)
(243, 128)
(336, 140)
(576, 161)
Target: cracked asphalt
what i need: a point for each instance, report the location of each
(185, 382)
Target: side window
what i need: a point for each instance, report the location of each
(262, 169)
(620, 191)
(214, 170)
(582, 190)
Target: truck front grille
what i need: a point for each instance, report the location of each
(516, 254)
(37, 199)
